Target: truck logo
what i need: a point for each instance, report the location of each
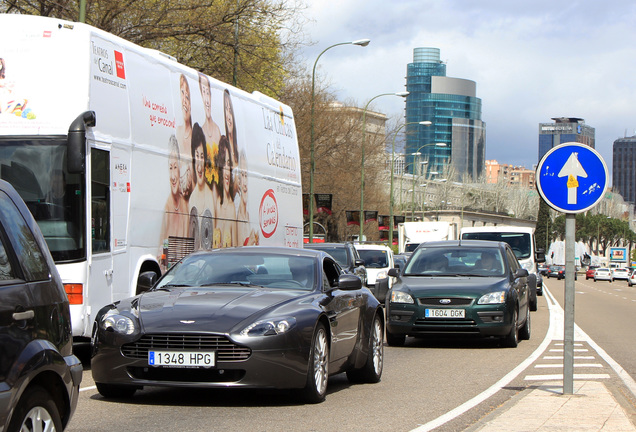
(268, 214)
(119, 65)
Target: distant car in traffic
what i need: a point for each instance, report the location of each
(346, 255)
(620, 273)
(589, 273)
(470, 287)
(399, 260)
(247, 317)
(561, 274)
(378, 259)
(632, 278)
(39, 375)
(603, 273)
(554, 270)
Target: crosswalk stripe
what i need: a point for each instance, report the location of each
(559, 377)
(576, 365)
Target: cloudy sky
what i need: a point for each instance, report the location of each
(531, 60)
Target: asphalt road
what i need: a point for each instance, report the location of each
(607, 313)
(421, 381)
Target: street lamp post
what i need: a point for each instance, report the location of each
(364, 135)
(423, 123)
(312, 162)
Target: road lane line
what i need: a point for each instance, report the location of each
(554, 333)
(88, 388)
(461, 409)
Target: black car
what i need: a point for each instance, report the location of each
(472, 287)
(554, 271)
(346, 255)
(39, 375)
(257, 316)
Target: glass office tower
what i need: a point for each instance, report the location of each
(452, 107)
(624, 167)
(563, 130)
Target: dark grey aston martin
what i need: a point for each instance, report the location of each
(246, 317)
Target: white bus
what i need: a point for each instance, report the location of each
(129, 160)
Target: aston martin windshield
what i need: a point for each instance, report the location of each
(242, 270)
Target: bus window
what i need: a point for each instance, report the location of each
(100, 181)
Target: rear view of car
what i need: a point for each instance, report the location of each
(39, 375)
(603, 273)
(620, 274)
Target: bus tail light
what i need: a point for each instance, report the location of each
(75, 293)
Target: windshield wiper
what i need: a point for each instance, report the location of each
(174, 286)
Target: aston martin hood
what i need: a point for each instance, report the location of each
(208, 308)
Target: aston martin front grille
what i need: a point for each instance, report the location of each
(225, 349)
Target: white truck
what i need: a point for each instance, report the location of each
(411, 234)
(129, 160)
(522, 242)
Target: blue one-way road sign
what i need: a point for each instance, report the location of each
(572, 177)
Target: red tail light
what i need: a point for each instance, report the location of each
(75, 293)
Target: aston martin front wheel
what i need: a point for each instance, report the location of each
(371, 372)
(318, 367)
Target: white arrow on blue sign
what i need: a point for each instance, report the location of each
(572, 177)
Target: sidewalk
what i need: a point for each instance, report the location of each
(592, 407)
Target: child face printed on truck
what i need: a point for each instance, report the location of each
(199, 154)
(173, 164)
(224, 162)
(185, 98)
(206, 95)
(229, 115)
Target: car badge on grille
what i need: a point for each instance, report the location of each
(445, 301)
(187, 321)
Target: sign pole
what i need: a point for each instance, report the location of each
(571, 178)
(568, 322)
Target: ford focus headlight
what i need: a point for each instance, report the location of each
(269, 327)
(401, 297)
(116, 322)
(496, 297)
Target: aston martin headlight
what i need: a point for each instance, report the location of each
(496, 297)
(269, 327)
(119, 323)
(401, 297)
(382, 275)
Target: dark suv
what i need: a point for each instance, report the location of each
(346, 255)
(39, 375)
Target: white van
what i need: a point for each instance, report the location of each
(129, 160)
(378, 259)
(522, 242)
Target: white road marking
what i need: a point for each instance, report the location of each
(555, 332)
(559, 377)
(576, 365)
